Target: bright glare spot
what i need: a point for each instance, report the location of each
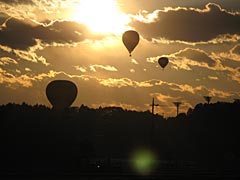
(101, 16)
(143, 161)
(105, 43)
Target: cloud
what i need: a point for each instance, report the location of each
(188, 57)
(82, 69)
(28, 69)
(17, 34)
(236, 50)
(213, 77)
(228, 62)
(7, 61)
(221, 94)
(23, 80)
(26, 55)
(126, 82)
(196, 55)
(132, 70)
(94, 68)
(189, 24)
(21, 35)
(220, 39)
(223, 66)
(235, 75)
(30, 56)
(104, 67)
(4, 23)
(123, 82)
(229, 59)
(163, 98)
(182, 88)
(185, 88)
(5, 48)
(17, 2)
(134, 61)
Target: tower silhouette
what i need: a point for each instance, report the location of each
(177, 104)
(153, 104)
(207, 98)
(152, 129)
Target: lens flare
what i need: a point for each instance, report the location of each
(143, 161)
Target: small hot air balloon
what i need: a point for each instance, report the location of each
(130, 40)
(61, 93)
(163, 61)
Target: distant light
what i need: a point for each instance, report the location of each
(98, 166)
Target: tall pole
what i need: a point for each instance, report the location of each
(153, 104)
(152, 123)
(177, 104)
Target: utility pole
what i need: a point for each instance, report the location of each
(152, 123)
(177, 104)
(153, 104)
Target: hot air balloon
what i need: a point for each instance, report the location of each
(130, 40)
(61, 93)
(163, 61)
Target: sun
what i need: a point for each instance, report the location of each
(101, 16)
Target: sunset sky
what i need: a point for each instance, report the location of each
(81, 41)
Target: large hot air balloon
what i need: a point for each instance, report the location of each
(130, 40)
(61, 93)
(163, 61)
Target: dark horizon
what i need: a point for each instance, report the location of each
(40, 141)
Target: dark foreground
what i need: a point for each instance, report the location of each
(178, 174)
(100, 173)
(116, 144)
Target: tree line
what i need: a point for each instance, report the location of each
(37, 138)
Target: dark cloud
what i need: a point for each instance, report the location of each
(20, 35)
(196, 55)
(192, 25)
(61, 32)
(17, 1)
(151, 5)
(17, 35)
(236, 49)
(3, 17)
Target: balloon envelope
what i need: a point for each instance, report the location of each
(163, 61)
(61, 93)
(130, 40)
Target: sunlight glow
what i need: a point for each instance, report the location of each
(101, 16)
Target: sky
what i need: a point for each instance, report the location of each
(81, 41)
